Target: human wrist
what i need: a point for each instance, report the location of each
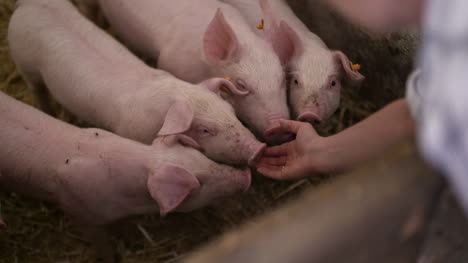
(318, 160)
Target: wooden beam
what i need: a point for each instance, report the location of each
(376, 214)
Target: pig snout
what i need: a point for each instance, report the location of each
(310, 115)
(254, 150)
(275, 134)
(320, 108)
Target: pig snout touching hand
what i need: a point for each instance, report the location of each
(209, 124)
(103, 83)
(259, 91)
(196, 41)
(315, 72)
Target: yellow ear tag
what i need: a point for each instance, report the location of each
(355, 67)
(260, 25)
(224, 88)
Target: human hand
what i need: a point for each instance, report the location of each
(296, 159)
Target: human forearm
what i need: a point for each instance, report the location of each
(369, 138)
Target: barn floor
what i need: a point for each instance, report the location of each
(39, 232)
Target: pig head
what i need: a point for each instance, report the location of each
(189, 180)
(165, 177)
(315, 90)
(206, 122)
(315, 72)
(258, 93)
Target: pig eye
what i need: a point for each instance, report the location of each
(241, 85)
(296, 82)
(204, 131)
(333, 82)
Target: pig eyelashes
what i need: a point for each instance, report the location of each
(204, 131)
(241, 85)
(334, 82)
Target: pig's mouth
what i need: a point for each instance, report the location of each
(277, 135)
(310, 117)
(256, 155)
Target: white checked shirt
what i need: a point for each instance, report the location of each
(438, 92)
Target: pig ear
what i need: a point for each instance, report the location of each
(287, 43)
(178, 119)
(270, 25)
(354, 77)
(170, 186)
(220, 44)
(224, 87)
(284, 39)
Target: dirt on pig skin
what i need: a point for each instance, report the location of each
(38, 231)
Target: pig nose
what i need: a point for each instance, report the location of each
(277, 135)
(310, 117)
(257, 152)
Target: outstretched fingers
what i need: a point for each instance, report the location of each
(278, 161)
(272, 171)
(293, 126)
(279, 150)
